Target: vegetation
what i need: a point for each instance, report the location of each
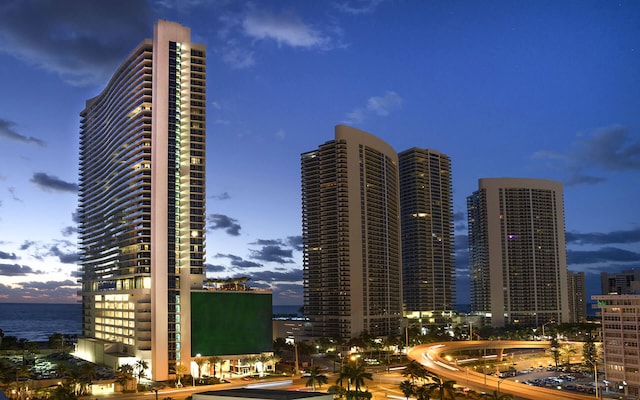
(315, 378)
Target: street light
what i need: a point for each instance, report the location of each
(595, 374)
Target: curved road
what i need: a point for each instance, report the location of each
(429, 355)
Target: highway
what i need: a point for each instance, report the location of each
(430, 356)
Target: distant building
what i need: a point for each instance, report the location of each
(620, 341)
(352, 267)
(625, 282)
(517, 252)
(577, 296)
(426, 204)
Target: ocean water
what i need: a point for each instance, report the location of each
(36, 322)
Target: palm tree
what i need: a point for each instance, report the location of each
(87, 375)
(181, 369)
(443, 387)
(315, 377)
(408, 388)
(263, 359)
(566, 351)
(354, 374)
(125, 375)
(274, 359)
(140, 368)
(414, 370)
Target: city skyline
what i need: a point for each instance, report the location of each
(540, 90)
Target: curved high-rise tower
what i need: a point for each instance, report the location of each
(142, 204)
(518, 261)
(351, 237)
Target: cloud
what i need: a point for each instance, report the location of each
(27, 244)
(603, 255)
(69, 230)
(358, 7)
(285, 29)
(16, 270)
(14, 196)
(237, 57)
(239, 262)
(618, 237)
(214, 268)
(7, 132)
(295, 242)
(53, 183)
(273, 254)
(220, 221)
(222, 196)
(81, 41)
(610, 149)
(41, 292)
(378, 105)
(294, 275)
(8, 256)
(65, 258)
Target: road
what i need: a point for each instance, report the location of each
(429, 356)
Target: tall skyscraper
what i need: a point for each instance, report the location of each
(351, 236)
(426, 198)
(518, 262)
(577, 296)
(142, 204)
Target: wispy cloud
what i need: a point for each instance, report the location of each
(378, 105)
(224, 222)
(617, 237)
(239, 262)
(52, 183)
(610, 149)
(8, 132)
(603, 255)
(358, 7)
(286, 29)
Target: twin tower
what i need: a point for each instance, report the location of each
(378, 241)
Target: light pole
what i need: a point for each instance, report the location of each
(595, 375)
(499, 382)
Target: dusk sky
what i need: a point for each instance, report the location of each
(535, 89)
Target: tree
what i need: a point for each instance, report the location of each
(87, 373)
(566, 351)
(408, 388)
(181, 369)
(354, 373)
(589, 351)
(140, 368)
(200, 363)
(443, 387)
(315, 378)
(56, 341)
(414, 370)
(274, 359)
(213, 360)
(125, 375)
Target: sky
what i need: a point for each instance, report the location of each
(534, 89)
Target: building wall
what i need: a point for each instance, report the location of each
(625, 282)
(426, 198)
(351, 236)
(142, 174)
(577, 296)
(620, 340)
(517, 251)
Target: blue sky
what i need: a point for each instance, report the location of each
(539, 89)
